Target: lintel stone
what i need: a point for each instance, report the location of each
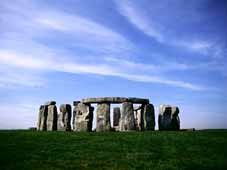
(115, 100)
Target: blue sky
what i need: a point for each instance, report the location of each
(171, 51)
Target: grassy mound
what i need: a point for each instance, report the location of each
(133, 150)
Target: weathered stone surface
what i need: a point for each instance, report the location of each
(42, 119)
(114, 100)
(103, 117)
(104, 100)
(75, 103)
(138, 118)
(83, 117)
(127, 120)
(116, 116)
(64, 118)
(138, 100)
(60, 125)
(175, 118)
(50, 103)
(52, 118)
(168, 118)
(148, 117)
(39, 117)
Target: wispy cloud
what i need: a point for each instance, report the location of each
(81, 68)
(147, 22)
(153, 79)
(12, 80)
(29, 20)
(22, 47)
(87, 32)
(127, 9)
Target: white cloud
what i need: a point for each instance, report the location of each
(151, 79)
(31, 21)
(128, 9)
(13, 59)
(162, 32)
(52, 64)
(132, 64)
(20, 48)
(13, 77)
(85, 32)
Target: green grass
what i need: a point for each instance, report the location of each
(133, 150)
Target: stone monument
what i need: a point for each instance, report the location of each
(126, 118)
(168, 118)
(64, 117)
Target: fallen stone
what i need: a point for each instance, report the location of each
(103, 117)
(32, 128)
(190, 129)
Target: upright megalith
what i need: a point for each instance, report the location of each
(127, 120)
(75, 103)
(47, 117)
(83, 117)
(39, 117)
(103, 117)
(138, 117)
(168, 118)
(148, 117)
(116, 117)
(52, 118)
(42, 119)
(175, 118)
(64, 118)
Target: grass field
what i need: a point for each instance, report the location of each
(133, 150)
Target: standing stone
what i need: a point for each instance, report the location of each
(83, 117)
(40, 117)
(52, 118)
(127, 121)
(75, 103)
(103, 117)
(116, 117)
(175, 118)
(64, 118)
(60, 125)
(148, 117)
(138, 117)
(168, 118)
(43, 111)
